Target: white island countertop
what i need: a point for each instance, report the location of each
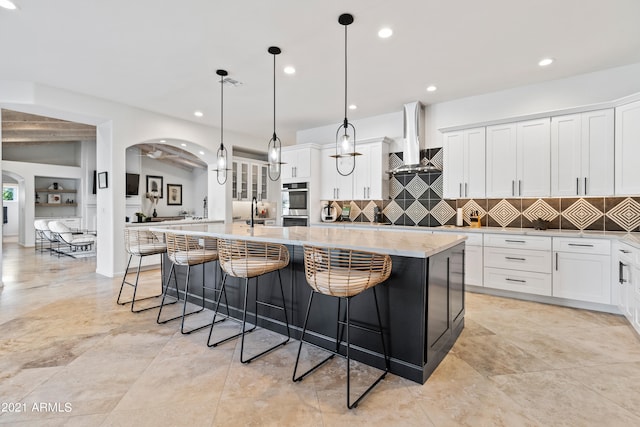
(399, 243)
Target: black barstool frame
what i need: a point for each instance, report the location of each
(135, 285)
(172, 272)
(245, 331)
(340, 327)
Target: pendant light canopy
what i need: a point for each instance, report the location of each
(346, 133)
(274, 150)
(221, 154)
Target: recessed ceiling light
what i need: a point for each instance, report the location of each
(353, 107)
(546, 61)
(7, 4)
(183, 144)
(289, 69)
(431, 88)
(163, 140)
(385, 33)
(198, 113)
(201, 152)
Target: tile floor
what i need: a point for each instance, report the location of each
(66, 344)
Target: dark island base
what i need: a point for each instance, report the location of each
(421, 307)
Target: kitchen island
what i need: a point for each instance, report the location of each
(421, 304)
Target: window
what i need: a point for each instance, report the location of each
(9, 193)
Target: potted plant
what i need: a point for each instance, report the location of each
(140, 216)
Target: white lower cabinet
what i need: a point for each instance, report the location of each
(518, 263)
(582, 269)
(628, 281)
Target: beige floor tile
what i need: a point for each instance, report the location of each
(517, 363)
(554, 398)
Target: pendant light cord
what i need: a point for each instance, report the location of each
(345, 77)
(222, 111)
(274, 96)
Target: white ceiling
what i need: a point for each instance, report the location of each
(162, 55)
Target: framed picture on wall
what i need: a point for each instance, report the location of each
(154, 185)
(103, 181)
(174, 194)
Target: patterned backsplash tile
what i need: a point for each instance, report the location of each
(416, 200)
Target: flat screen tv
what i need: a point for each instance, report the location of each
(133, 182)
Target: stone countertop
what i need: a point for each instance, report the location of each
(400, 243)
(174, 222)
(614, 235)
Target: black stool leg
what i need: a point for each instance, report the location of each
(283, 308)
(135, 287)
(380, 378)
(304, 329)
(215, 313)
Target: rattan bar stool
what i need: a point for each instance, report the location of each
(184, 250)
(140, 243)
(344, 273)
(249, 259)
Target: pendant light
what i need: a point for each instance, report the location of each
(346, 133)
(221, 154)
(274, 150)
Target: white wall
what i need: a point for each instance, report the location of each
(584, 89)
(120, 126)
(389, 125)
(28, 172)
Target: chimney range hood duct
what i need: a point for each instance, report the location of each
(413, 136)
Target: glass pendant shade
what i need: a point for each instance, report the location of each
(221, 154)
(274, 149)
(346, 133)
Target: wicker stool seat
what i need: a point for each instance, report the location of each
(184, 250)
(249, 259)
(140, 243)
(344, 273)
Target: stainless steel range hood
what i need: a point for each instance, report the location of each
(413, 141)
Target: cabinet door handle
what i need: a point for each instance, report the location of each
(515, 280)
(515, 258)
(513, 188)
(585, 185)
(624, 251)
(556, 261)
(519, 187)
(621, 267)
(577, 186)
(466, 193)
(460, 190)
(514, 241)
(584, 245)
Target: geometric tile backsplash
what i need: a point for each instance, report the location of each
(416, 199)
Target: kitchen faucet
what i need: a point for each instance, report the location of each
(254, 200)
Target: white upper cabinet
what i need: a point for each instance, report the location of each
(501, 160)
(297, 164)
(464, 164)
(534, 162)
(627, 149)
(582, 154)
(370, 180)
(334, 186)
(518, 159)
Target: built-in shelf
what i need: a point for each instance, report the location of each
(47, 190)
(56, 204)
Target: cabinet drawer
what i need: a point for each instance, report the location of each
(518, 259)
(517, 241)
(580, 245)
(518, 281)
(628, 254)
(473, 239)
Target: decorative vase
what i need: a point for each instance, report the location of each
(155, 214)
